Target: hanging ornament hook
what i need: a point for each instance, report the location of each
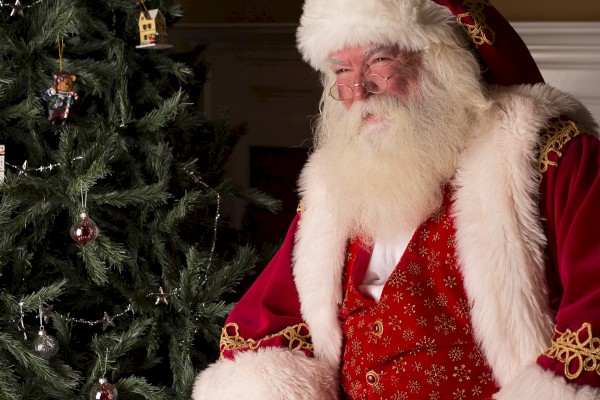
(61, 49)
(105, 363)
(83, 198)
(41, 317)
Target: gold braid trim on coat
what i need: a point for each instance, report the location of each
(579, 351)
(553, 140)
(298, 337)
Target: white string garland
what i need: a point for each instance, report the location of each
(23, 170)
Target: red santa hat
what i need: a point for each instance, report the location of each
(327, 26)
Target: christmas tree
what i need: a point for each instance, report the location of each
(116, 270)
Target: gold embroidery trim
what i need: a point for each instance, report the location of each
(478, 30)
(572, 346)
(299, 209)
(297, 340)
(555, 137)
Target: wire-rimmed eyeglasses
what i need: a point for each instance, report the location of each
(374, 83)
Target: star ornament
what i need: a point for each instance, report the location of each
(107, 320)
(17, 8)
(161, 296)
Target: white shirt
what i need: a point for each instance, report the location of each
(384, 259)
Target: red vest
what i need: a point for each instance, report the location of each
(417, 342)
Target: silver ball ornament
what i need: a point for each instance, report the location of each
(45, 345)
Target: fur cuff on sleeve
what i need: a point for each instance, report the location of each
(267, 374)
(536, 383)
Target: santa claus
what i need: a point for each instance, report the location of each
(444, 248)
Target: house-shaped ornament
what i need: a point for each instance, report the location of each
(153, 30)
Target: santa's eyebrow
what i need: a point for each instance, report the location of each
(377, 49)
(368, 53)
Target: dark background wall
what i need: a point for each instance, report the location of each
(258, 79)
(235, 11)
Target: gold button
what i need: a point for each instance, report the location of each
(372, 378)
(378, 328)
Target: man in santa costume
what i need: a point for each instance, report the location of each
(445, 247)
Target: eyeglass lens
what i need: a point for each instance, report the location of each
(373, 83)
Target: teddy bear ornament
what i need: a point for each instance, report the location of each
(60, 97)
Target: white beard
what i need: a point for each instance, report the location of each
(387, 177)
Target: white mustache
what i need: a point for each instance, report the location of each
(379, 105)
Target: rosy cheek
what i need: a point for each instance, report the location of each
(397, 84)
(403, 85)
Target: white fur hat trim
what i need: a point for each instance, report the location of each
(327, 26)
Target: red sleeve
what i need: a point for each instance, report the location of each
(571, 203)
(269, 312)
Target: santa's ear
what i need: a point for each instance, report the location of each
(73, 78)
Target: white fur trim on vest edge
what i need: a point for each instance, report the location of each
(318, 260)
(535, 383)
(499, 233)
(327, 26)
(267, 374)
